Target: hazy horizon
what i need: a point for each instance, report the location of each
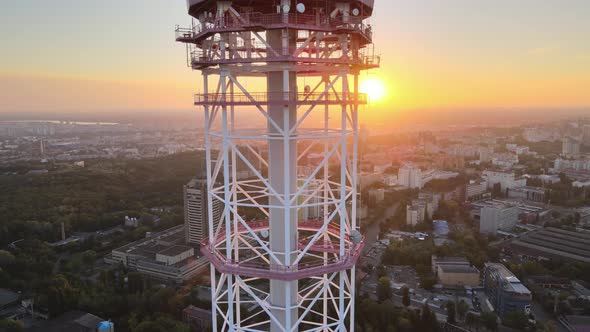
(112, 56)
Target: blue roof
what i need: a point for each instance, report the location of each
(441, 227)
(105, 326)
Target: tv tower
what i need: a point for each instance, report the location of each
(281, 102)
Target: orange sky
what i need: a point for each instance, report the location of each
(72, 55)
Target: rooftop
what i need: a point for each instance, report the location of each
(511, 282)
(529, 188)
(450, 260)
(174, 251)
(150, 246)
(458, 269)
(71, 321)
(556, 242)
(441, 227)
(7, 297)
(195, 312)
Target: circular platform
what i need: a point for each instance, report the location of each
(287, 272)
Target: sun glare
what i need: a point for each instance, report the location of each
(374, 88)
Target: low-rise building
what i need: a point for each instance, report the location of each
(196, 318)
(504, 179)
(75, 321)
(447, 261)
(458, 275)
(505, 159)
(504, 290)
(441, 228)
(163, 256)
(527, 193)
(580, 164)
(554, 243)
(476, 190)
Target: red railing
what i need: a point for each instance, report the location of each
(279, 271)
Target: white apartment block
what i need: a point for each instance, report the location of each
(497, 217)
(505, 179)
(412, 215)
(196, 211)
(410, 176)
(570, 147)
(574, 164)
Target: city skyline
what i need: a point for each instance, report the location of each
(112, 57)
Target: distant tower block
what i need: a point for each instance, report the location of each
(196, 220)
(275, 266)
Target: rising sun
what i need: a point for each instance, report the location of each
(374, 88)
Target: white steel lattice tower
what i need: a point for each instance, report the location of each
(283, 162)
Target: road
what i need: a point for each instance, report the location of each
(441, 314)
(373, 230)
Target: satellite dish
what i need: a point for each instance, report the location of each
(264, 233)
(286, 8)
(355, 12)
(300, 8)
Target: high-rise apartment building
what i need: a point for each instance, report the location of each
(570, 147)
(196, 211)
(410, 176)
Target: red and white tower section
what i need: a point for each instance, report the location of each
(281, 102)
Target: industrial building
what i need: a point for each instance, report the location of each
(457, 275)
(554, 243)
(75, 321)
(449, 261)
(504, 290)
(497, 217)
(526, 193)
(163, 256)
(525, 212)
(455, 271)
(196, 211)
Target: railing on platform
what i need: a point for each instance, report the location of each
(278, 271)
(260, 20)
(280, 98)
(241, 54)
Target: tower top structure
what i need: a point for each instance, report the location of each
(364, 8)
